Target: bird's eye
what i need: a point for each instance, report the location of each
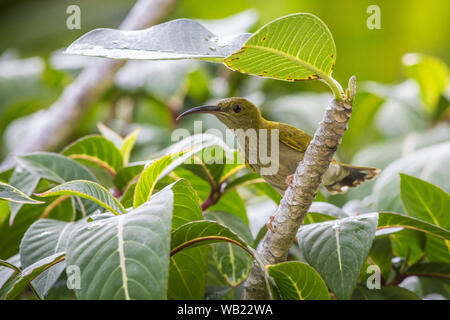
(237, 108)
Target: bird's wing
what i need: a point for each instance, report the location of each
(293, 137)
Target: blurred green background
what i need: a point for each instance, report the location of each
(38, 27)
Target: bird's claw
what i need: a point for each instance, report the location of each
(289, 179)
(269, 224)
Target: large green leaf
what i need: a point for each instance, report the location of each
(97, 150)
(295, 47)
(200, 233)
(8, 192)
(298, 281)
(58, 168)
(430, 203)
(125, 256)
(8, 268)
(54, 167)
(337, 249)
(188, 268)
(31, 272)
(233, 262)
(88, 190)
(149, 177)
(393, 220)
(44, 238)
(429, 164)
(26, 182)
(177, 39)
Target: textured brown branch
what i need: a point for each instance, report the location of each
(300, 194)
(90, 84)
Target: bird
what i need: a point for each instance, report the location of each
(239, 113)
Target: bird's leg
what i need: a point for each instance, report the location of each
(289, 179)
(269, 224)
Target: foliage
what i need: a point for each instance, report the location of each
(180, 227)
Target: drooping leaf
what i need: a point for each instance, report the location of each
(88, 190)
(295, 47)
(298, 281)
(29, 273)
(125, 256)
(337, 249)
(393, 220)
(25, 181)
(8, 268)
(96, 150)
(233, 262)
(45, 238)
(8, 192)
(176, 39)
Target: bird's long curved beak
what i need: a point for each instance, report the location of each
(201, 109)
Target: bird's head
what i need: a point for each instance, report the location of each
(235, 113)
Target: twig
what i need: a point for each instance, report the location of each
(88, 86)
(300, 194)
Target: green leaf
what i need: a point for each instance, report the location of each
(54, 167)
(199, 233)
(298, 281)
(149, 177)
(231, 202)
(425, 201)
(392, 220)
(187, 274)
(188, 268)
(32, 272)
(125, 256)
(8, 268)
(385, 293)
(88, 190)
(127, 175)
(58, 168)
(110, 134)
(128, 145)
(233, 262)
(8, 192)
(430, 203)
(25, 181)
(429, 164)
(430, 73)
(337, 249)
(96, 150)
(432, 269)
(381, 255)
(173, 40)
(295, 47)
(45, 238)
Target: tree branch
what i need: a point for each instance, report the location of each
(300, 194)
(89, 85)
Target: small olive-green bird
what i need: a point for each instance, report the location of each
(239, 113)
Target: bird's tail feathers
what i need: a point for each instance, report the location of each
(356, 176)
